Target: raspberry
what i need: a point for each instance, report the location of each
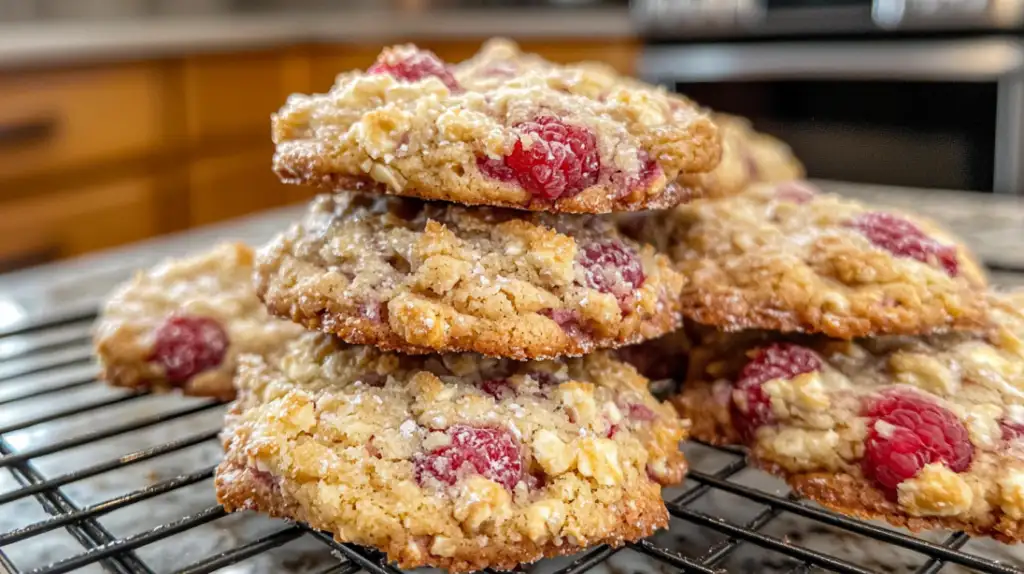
(908, 431)
(187, 345)
(795, 192)
(558, 160)
(497, 388)
(414, 67)
(902, 238)
(638, 412)
(751, 405)
(488, 451)
(1011, 429)
(612, 267)
(569, 321)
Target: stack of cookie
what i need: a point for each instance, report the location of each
(857, 353)
(434, 376)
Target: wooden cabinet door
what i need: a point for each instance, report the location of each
(40, 229)
(234, 184)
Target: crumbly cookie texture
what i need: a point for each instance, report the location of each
(786, 257)
(748, 157)
(182, 324)
(925, 432)
(503, 129)
(421, 277)
(454, 461)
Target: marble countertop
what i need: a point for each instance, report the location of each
(43, 43)
(992, 225)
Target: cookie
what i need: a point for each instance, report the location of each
(182, 324)
(422, 277)
(503, 130)
(925, 432)
(661, 358)
(786, 257)
(454, 461)
(748, 157)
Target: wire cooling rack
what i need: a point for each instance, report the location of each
(103, 480)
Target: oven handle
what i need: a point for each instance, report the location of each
(980, 60)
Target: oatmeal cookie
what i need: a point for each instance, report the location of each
(503, 130)
(749, 157)
(786, 257)
(925, 432)
(454, 461)
(422, 277)
(182, 325)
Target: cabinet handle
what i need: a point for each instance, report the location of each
(28, 131)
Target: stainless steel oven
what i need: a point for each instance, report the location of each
(928, 113)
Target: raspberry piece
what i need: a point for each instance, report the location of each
(187, 345)
(639, 412)
(569, 321)
(414, 66)
(907, 431)
(612, 267)
(557, 160)
(751, 405)
(488, 451)
(904, 239)
(497, 388)
(795, 192)
(1011, 429)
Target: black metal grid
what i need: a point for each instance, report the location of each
(49, 346)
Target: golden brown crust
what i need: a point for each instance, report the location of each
(377, 133)
(421, 278)
(763, 261)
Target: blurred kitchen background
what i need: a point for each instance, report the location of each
(122, 120)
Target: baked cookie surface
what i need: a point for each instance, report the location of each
(422, 277)
(748, 157)
(183, 323)
(503, 129)
(925, 432)
(786, 257)
(455, 461)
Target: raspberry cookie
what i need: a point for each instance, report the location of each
(926, 432)
(455, 461)
(182, 324)
(749, 157)
(506, 130)
(786, 257)
(421, 277)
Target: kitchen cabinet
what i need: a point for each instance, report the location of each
(75, 221)
(97, 156)
(57, 120)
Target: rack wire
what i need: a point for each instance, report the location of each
(105, 480)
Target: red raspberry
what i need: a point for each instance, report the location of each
(639, 412)
(414, 67)
(559, 160)
(907, 431)
(795, 191)
(1011, 429)
(612, 267)
(569, 321)
(497, 388)
(488, 451)
(904, 239)
(187, 345)
(751, 405)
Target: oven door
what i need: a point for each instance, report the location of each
(946, 114)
